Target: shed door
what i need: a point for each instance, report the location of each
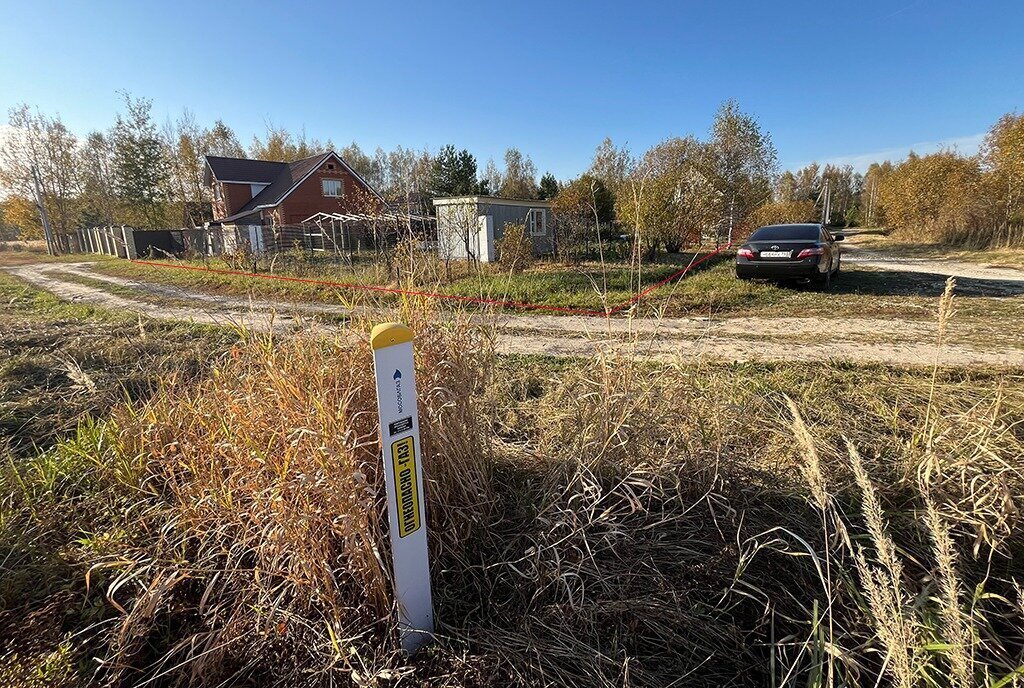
(485, 238)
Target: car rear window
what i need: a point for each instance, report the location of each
(786, 232)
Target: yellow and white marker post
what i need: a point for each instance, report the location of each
(403, 469)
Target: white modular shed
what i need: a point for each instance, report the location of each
(472, 226)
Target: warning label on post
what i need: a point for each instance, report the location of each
(403, 457)
(399, 426)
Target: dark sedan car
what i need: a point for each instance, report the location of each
(804, 252)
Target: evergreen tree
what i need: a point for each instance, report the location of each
(453, 173)
(548, 186)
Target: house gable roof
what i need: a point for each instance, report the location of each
(242, 170)
(288, 177)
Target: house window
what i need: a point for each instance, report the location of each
(535, 222)
(332, 188)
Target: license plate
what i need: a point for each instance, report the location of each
(776, 254)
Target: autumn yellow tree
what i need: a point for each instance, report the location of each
(582, 209)
(21, 213)
(937, 197)
(36, 141)
(783, 212)
(1002, 157)
(671, 197)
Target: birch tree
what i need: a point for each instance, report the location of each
(46, 144)
(96, 170)
(1002, 156)
(139, 164)
(745, 162)
(520, 177)
(184, 143)
(611, 164)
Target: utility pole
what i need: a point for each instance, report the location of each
(873, 198)
(827, 204)
(828, 198)
(51, 245)
(732, 207)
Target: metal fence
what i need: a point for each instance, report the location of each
(325, 236)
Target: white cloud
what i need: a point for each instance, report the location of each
(965, 145)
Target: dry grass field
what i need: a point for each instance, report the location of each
(608, 520)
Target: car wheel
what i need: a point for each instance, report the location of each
(825, 281)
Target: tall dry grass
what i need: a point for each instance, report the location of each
(605, 522)
(949, 482)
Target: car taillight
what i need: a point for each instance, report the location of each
(745, 253)
(808, 252)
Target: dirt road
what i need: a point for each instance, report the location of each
(1010, 280)
(731, 339)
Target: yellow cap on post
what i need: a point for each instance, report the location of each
(389, 334)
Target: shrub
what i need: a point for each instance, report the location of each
(515, 248)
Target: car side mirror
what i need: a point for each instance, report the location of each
(839, 237)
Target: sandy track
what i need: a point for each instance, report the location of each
(1011, 279)
(729, 339)
(209, 309)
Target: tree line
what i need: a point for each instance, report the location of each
(975, 200)
(944, 197)
(144, 175)
(681, 192)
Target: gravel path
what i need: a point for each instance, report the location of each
(1007, 279)
(730, 339)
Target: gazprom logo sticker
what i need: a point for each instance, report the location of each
(403, 458)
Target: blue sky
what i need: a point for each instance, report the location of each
(829, 81)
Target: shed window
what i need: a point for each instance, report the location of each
(332, 188)
(535, 223)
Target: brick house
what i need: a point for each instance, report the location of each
(264, 193)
